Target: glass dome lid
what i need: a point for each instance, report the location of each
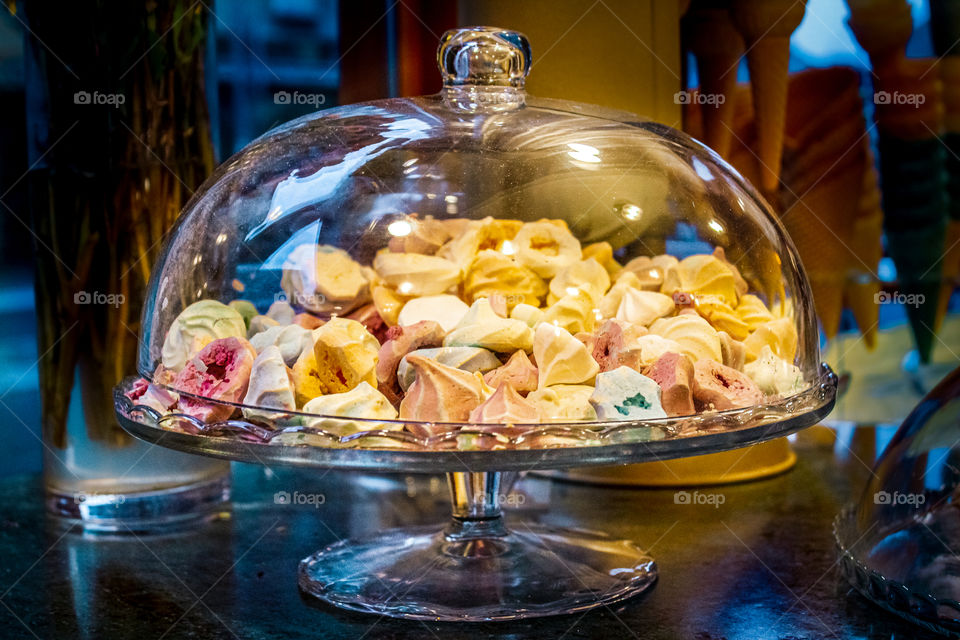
(559, 249)
(898, 541)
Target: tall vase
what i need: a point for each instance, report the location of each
(119, 137)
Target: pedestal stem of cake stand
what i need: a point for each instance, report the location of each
(477, 520)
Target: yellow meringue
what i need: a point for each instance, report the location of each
(346, 355)
(602, 252)
(363, 401)
(482, 327)
(697, 339)
(561, 358)
(723, 318)
(752, 311)
(307, 384)
(527, 313)
(198, 325)
(669, 266)
(388, 303)
(492, 272)
(584, 275)
(574, 312)
(564, 403)
(545, 247)
(705, 274)
(481, 235)
(324, 279)
(780, 335)
(414, 274)
(740, 284)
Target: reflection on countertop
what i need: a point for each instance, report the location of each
(758, 564)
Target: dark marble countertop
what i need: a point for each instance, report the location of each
(759, 566)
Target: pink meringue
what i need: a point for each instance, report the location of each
(506, 406)
(440, 393)
(400, 342)
(220, 372)
(519, 373)
(674, 373)
(717, 387)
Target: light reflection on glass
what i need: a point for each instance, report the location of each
(583, 152)
(399, 228)
(631, 211)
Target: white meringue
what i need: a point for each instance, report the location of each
(697, 338)
(196, 326)
(564, 403)
(626, 394)
(281, 312)
(290, 339)
(774, 376)
(643, 307)
(482, 327)
(259, 324)
(270, 387)
(467, 359)
(445, 309)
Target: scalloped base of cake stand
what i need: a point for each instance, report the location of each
(425, 574)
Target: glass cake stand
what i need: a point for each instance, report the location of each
(476, 568)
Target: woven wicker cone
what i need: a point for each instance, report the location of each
(882, 27)
(859, 294)
(949, 69)
(849, 163)
(816, 100)
(825, 127)
(717, 47)
(835, 145)
(821, 224)
(741, 154)
(916, 79)
(768, 61)
(766, 26)
(951, 271)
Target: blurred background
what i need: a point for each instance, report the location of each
(270, 62)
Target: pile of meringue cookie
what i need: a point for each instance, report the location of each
(478, 321)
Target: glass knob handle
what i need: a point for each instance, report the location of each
(484, 56)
